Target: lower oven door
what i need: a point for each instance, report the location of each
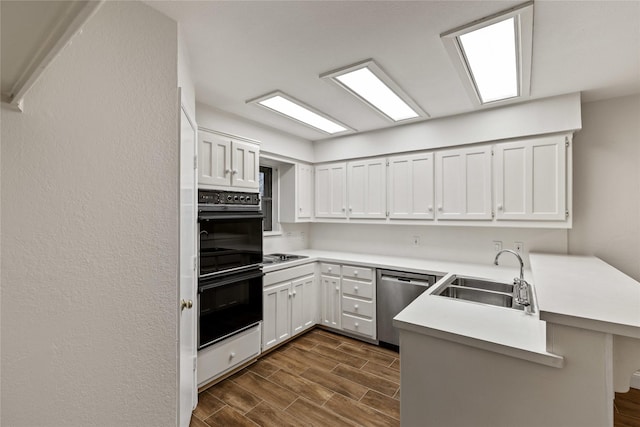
(228, 304)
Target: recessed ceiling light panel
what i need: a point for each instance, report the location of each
(369, 83)
(291, 108)
(493, 55)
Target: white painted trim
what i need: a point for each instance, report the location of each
(228, 135)
(635, 380)
(49, 50)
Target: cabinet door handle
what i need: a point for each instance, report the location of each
(355, 272)
(355, 306)
(329, 269)
(430, 208)
(294, 293)
(226, 171)
(235, 171)
(356, 324)
(499, 206)
(440, 208)
(232, 355)
(289, 294)
(355, 288)
(337, 289)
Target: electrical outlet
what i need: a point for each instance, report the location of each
(416, 240)
(519, 246)
(497, 245)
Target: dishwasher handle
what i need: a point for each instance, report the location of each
(405, 281)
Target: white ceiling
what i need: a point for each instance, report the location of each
(243, 49)
(240, 50)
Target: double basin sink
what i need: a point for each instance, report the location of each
(479, 291)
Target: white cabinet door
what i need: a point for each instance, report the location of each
(530, 179)
(304, 302)
(304, 190)
(331, 194)
(411, 186)
(463, 183)
(367, 185)
(276, 323)
(245, 159)
(331, 301)
(214, 159)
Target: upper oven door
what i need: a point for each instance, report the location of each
(229, 241)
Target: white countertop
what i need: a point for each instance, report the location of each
(497, 329)
(577, 291)
(586, 292)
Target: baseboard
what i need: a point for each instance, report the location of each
(635, 380)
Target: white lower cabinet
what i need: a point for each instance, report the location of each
(220, 358)
(330, 288)
(290, 301)
(359, 301)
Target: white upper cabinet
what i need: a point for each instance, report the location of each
(463, 183)
(226, 161)
(331, 190)
(530, 179)
(367, 188)
(304, 191)
(410, 192)
(296, 192)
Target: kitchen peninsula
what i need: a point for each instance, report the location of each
(565, 372)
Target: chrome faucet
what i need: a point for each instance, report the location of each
(521, 289)
(495, 261)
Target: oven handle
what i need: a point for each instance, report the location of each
(228, 280)
(205, 215)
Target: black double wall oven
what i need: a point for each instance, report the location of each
(230, 260)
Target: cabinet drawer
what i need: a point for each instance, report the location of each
(224, 356)
(330, 269)
(358, 289)
(356, 306)
(359, 325)
(360, 273)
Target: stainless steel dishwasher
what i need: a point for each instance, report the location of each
(395, 290)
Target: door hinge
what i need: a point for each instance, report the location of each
(195, 363)
(195, 263)
(566, 141)
(387, 163)
(493, 214)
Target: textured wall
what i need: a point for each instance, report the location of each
(606, 184)
(90, 232)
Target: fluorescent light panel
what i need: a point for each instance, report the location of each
(369, 83)
(491, 57)
(295, 110)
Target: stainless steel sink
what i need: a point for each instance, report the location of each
(278, 258)
(479, 291)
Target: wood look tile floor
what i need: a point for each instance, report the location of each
(318, 379)
(626, 409)
(326, 379)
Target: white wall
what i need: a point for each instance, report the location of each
(90, 231)
(292, 237)
(271, 140)
(185, 82)
(606, 184)
(542, 116)
(464, 244)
